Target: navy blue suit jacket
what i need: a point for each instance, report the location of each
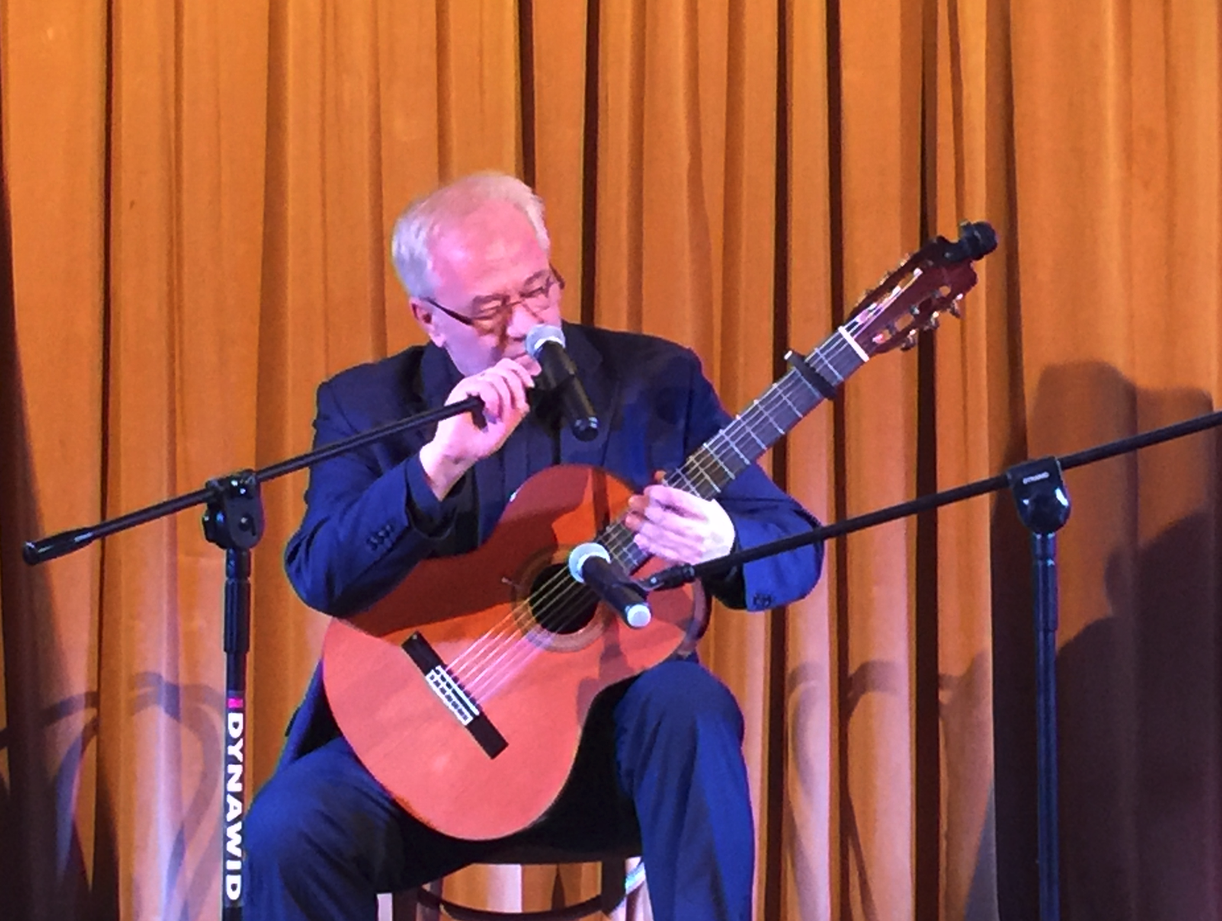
(358, 538)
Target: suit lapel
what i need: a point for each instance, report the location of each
(438, 376)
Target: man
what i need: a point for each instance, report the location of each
(661, 754)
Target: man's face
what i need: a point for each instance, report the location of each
(489, 269)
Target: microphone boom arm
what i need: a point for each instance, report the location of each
(674, 576)
(65, 542)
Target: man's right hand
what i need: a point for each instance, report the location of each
(460, 441)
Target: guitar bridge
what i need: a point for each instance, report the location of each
(449, 691)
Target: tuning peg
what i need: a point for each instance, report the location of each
(933, 321)
(954, 310)
(885, 335)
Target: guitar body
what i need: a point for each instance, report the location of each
(480, 614)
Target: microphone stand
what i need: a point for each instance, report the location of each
(1043, 506)
(233, 521)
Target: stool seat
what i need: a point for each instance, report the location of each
(615, 887)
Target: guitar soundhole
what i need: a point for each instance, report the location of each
(558, 603)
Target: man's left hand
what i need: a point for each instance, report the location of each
(679, 527)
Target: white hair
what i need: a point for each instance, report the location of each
(418, 227)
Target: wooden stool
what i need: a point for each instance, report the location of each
(615, 887)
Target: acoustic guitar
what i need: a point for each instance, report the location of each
(465, 689)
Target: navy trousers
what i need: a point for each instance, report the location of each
(660, 757)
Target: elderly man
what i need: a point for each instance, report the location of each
(660, 755)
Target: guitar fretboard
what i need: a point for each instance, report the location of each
(712, 466)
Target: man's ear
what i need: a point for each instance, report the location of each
(426, 315)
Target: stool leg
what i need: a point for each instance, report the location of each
(612, 885)
(405, 906)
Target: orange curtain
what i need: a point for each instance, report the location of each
(197, 198)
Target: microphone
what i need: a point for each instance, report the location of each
(546, 345)
(591, 565)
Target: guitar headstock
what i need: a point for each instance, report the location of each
(930, 282)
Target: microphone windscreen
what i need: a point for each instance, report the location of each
(540, 334)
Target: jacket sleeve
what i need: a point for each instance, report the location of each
(365, 527)
(761, 512)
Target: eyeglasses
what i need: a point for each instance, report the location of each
(536, 300)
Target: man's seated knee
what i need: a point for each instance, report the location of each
(281, 824)
(685, 694)
(266, 837)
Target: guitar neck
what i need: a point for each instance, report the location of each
(713, 465)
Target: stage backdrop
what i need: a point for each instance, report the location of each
(197, 200)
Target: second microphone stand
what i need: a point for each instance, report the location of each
(1043, 506)
(233, 521)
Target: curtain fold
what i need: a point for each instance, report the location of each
(197, 199)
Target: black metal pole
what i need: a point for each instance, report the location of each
(1043, 505)
(1044, 572)
(237, 645)
(233, 521)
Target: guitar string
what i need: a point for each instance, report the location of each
(544, 597)
(828, 356)
(488, 684)
(477, 662)
(501, 674)
(565, 586)
(725, 437)
(563, 589)
(572, 595)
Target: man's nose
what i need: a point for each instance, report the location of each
(520, 320)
